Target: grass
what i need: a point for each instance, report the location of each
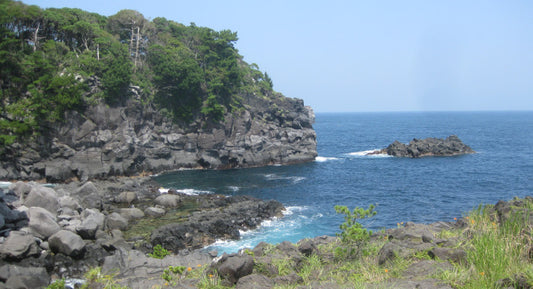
(494, 251)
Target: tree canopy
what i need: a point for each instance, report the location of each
(47, 56)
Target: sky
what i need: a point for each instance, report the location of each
(367, 56)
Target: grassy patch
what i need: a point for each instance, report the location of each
(494, 251)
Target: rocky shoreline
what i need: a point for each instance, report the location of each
(65, 230)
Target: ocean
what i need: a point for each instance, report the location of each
(420, 190)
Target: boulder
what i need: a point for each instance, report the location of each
(43, 197)
(131, 213)
(154, 212)
(24, 277)
(233, 267)
(167, 201)
(69, 202)
(256, 281)
(19, 245)
(90, 196)
(92, 221)
(68, 243)
(116, 221)
(42, 222)
(126, 197)
(10, 219)
(21, 189)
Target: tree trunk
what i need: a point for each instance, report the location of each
(137, 49)
(36, 36)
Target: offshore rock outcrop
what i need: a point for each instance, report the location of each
(135, 138)
(416, 148)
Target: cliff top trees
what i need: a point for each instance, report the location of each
(190, 72)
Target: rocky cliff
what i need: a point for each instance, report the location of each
(450, 146)
(135, 138)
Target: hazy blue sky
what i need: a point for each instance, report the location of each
(371, 55)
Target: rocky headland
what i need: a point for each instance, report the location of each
(450, 146)
(135, 139)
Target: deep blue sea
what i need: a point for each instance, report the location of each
(420, 190)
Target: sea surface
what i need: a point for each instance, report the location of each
(420, 190)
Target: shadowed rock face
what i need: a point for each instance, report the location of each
(135, 138)
(416, 148)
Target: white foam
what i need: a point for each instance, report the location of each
(369, 153)
(5, 185)
(320, 159)
(293, 209)
(193, 192)
(293, 179)
(190, 192)
(233, 188)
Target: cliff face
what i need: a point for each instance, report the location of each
(135, 139)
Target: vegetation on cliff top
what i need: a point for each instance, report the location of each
(53, 60)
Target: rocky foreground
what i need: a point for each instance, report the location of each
(67, 231)
(62, 232)
(450, 146)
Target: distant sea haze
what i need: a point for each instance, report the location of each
(419, 190)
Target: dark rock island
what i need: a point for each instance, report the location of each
(451, 146)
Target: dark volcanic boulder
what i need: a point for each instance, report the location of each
(450, 146)
(223, 221)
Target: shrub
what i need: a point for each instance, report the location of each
(353, 236)
(159, 252)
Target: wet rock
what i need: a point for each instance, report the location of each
(68, 243)
(204, 227)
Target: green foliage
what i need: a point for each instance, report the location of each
(353, 235)
(212, 109)
(352, 230)
(159, 252)
(58, 284)
(95, 279)
(497, 250)
(190, 72)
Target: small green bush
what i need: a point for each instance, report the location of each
(159, 252)
(353, 236)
